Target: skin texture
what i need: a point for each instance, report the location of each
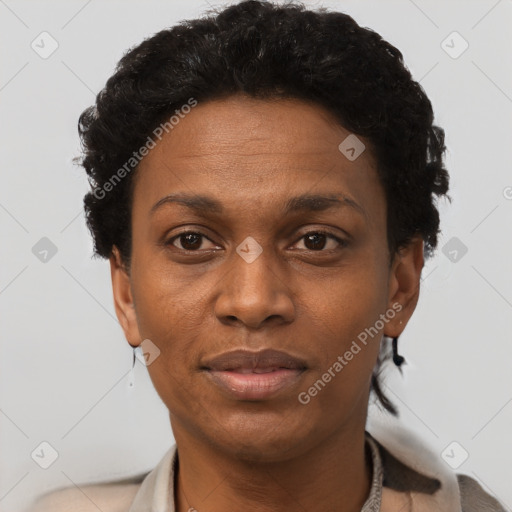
(309, 300)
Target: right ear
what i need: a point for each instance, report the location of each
(123, 300)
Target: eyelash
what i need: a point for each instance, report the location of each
(183, 233)
(341, 242)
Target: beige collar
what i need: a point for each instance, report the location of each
(156, 493)
(406, 447)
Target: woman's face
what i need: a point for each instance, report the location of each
(262, 269)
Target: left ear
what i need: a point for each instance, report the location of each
(404, 285)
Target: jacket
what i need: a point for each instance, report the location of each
(407, 476)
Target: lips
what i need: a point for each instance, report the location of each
(246, 375)
(259, 362)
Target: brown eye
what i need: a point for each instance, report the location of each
(320, 241)
(192, 241)
(189, 240)
(315, 241)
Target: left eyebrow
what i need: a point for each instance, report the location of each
(318, 203)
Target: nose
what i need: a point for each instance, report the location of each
(255, 294)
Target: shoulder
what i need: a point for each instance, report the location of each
(141, 492)
(412, 470)
(112, 496)
(474, 498)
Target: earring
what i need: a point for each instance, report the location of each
(131, 379)
(397, 358)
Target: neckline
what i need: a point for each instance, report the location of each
(372, 503)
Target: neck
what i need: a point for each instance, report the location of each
(333, 475)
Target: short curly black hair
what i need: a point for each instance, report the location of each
(268, 50)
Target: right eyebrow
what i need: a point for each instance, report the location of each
(200, 203)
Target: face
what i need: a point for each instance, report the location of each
(259, 260)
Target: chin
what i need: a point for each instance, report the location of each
(264, 437)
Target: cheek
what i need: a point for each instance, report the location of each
(346, 353)
(171, 318)
(350, 301)
(170, 315)
(165, 303)
(345, 312)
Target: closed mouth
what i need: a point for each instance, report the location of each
(254, 376)
(263, 361)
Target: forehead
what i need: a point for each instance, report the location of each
(245, 126)
(242, 146)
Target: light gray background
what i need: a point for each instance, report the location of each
(64, 363)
